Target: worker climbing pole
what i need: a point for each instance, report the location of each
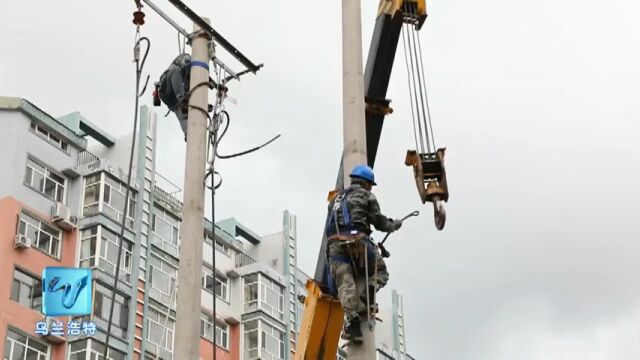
(426, 159)
(323, 314)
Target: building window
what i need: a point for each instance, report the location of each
(26, 290)
(260, 292)
(222, 247)
(163, 279)
(92, 349)
(159, 331)
(222, 331)
(102, 306)
(166, 231)
(263, 341)
(222, 284)
(91, 204)
(113, 198)
(102, 193)
(99, 247)
(251, 292)
(40, 178)
(43, 237)
(21, 347)
(252, 350)
(49, 137)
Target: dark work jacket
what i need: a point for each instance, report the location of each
(364, 211)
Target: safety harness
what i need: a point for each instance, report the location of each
(354, 239)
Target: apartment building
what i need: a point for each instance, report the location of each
(61, 204)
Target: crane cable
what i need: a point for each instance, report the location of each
(416, 78)
(139, 67)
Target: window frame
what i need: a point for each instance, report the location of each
(30, 168)
(173, 280)
(122, 302)
(122, 190)
(46, 134)
(206, 331)
(219, 278)
(105, 207)
(93, 349)
(96, 259)
(154, 316)
(10, 342)
(170, 245)
(263, 329)
(36, 283)
(22, 219)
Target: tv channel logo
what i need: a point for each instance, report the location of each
(66, 291)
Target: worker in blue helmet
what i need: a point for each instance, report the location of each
(352, 213)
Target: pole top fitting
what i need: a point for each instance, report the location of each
(138, 18)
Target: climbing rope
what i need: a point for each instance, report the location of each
(138, 20)
(416, 78)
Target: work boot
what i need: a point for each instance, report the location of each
(353, 330)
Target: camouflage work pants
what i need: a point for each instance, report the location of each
(353, 300)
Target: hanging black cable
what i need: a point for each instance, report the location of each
(228, 122)
(213, 230)
(127, 207)
(213, 141)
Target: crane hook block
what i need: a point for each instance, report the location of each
(431, 179)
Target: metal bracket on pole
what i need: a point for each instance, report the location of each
(208, 29)
(167, 18)
(216, 36)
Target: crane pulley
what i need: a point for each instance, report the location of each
(426, 159)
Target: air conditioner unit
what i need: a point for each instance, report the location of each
(22, 242)
(61, 216)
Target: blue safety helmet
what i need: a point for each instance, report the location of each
(363, 172)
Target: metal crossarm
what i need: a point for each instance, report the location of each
(216, 36)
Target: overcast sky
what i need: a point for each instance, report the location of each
(537, 104)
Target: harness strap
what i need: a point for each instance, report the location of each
(341, 259)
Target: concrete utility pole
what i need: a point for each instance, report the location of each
(187, 332)
(354, 132)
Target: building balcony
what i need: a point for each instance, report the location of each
(86, 158)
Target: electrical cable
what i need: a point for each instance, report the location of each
(228, 118)
(127, 207)
(213, 246)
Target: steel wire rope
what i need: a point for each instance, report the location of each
(127, 206)
(413, 116)
(426, 96)
(414, 92)
(413, 35)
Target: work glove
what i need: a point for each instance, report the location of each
(397, 223)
